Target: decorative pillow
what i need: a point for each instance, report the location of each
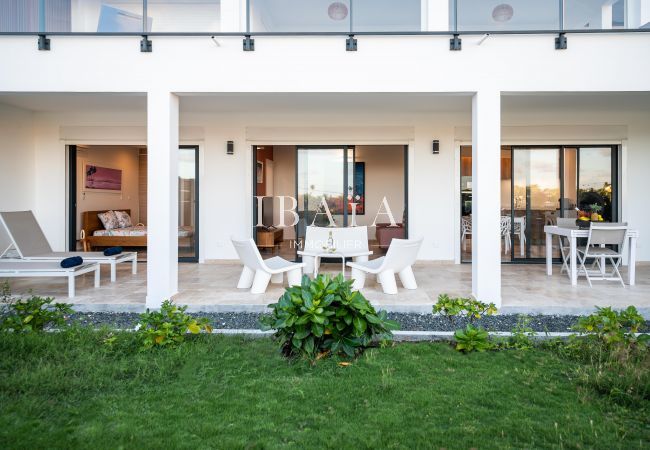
(123, 219)
(109, 220)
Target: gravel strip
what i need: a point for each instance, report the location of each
(408, 322)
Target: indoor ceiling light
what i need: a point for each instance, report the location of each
(337, 11)
(502, 13)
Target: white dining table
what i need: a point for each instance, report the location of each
(572, 234)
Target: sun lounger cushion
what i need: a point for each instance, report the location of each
(72, 262)
(111, 251)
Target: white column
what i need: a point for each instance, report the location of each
(486, 196)
(162, 197)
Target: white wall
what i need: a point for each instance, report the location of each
(17, 160)
(382, 64)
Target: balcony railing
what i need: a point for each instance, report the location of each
(260, 17)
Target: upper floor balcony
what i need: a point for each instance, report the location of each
(258, 17)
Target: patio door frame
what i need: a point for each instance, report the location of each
(616, 171)
(346, 148)
(72, 197)
(197, 204)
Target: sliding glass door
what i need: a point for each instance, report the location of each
(538, 185)
(535, 192)
(322, 182)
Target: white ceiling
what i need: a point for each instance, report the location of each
(319, 103)
(326, 103)
(75, 102)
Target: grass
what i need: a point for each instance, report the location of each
(66, 390)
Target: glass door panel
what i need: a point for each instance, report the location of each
(535, 195)
(595, 181)
(188, 249)
(506, 203)
(466, 203)
(321, 187)
(569, 200)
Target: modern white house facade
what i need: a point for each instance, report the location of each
(463, 111)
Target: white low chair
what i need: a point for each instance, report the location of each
(399, 259)
(258, 272)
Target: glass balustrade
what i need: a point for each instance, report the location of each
(509, 15)
(320, 16)
(300, 15)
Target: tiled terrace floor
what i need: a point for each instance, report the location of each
(211, 287)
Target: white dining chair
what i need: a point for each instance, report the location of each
(466, 228)
(600, 236)
(564, 244)
(505, 233)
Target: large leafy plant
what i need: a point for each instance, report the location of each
(34, 313)
(472, 339)
(325, 316)
(169, 326)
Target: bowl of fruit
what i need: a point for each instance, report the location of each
(586, 217)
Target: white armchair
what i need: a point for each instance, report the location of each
(257, 272)
(399, 259)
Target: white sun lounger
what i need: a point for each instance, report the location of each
(28, 240)
(28, 269)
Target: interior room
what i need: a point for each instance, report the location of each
(110, 201)
(368, 175)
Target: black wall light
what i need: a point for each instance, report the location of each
(436, 147)
(230, 148)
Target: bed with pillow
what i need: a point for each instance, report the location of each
(115, 228)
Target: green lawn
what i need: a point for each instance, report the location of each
(65, 391)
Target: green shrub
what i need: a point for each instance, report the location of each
(612, 327)
(31, 314)
(472, 339)
(324, 316)
(522, 334)
(614, 361)
(469, 308)
(167, 327)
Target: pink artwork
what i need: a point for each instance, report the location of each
(103, 178)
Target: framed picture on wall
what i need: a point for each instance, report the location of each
(102, 179)
(259, 170)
